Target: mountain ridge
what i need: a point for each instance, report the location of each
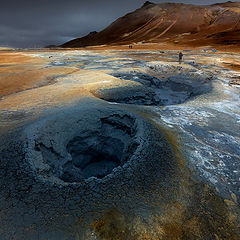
(175, 23)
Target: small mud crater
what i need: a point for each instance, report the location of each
(150, 90)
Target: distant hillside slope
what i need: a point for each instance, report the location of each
(170, 22)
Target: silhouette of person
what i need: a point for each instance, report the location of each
(180, 57)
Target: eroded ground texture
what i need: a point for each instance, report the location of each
(123, 145)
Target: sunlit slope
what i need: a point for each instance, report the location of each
(171, 23)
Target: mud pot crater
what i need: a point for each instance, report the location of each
(77, 148)
(167, 89)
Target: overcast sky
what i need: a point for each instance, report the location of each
(37, 23)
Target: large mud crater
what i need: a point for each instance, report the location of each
(84, 147)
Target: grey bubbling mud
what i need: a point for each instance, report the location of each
(98, 153)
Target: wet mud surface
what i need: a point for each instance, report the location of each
(166, 91)
(122, 145)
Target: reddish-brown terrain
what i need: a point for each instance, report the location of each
(172, 23)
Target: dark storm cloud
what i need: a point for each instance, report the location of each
(36, 23)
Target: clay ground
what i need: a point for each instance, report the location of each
(56, 104)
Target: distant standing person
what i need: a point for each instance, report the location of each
(180, 57)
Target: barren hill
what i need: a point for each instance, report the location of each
(173, 23)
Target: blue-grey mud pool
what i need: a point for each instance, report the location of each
(123, 145)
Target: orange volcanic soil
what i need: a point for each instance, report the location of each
(19, 72)
(178, 24)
